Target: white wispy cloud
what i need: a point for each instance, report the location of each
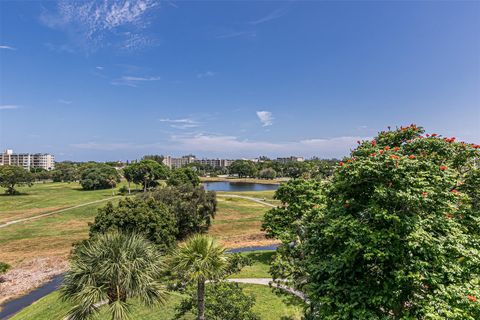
(184, 123)
(7, 47)
(9, 107)
(206, 74)
(265, 117)
(234, 147)
(278, 13)
(99, 67)
(132, 81)
(90, 22)
(62, 101)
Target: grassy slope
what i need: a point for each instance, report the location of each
(237, 222)
(260, 266)
(269, 306)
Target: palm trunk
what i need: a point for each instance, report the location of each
(145, 186)
(128, 187)
(201, 299)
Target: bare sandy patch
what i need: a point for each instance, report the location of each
(20, 214)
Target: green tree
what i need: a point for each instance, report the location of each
(200, 259)
(129, 174)
(267, 173)
(65, 172)
(393, 234)
(223, 301)
(95, 176)
(154, 157)
(145, 216)
(12, 176)
(147, 172)
(242, 168)
(186, 175)
(4, 267)
(113, 267)
(193, 207)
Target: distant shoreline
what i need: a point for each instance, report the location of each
(241, 180)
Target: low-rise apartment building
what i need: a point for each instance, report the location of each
(186, 160)
(28, 160)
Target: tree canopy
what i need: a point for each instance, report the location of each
(95, 176)
(146, 172)
(394, 234)
(186, 175)
(13, 176)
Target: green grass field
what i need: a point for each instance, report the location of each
(269, 306)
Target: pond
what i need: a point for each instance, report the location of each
(238, 186)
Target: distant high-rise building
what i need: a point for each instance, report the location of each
(28, 160)
(186, 160)
(290, 159)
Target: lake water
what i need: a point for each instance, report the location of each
(238, 186)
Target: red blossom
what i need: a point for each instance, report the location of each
(424, 194)
(411, 156)
(434, 134)
(472, 298)
(381, 151)
(443, 168)
(427, 135)
(341, 163)
(374, 143)
(396, 149)
(454, 191)
(449, 215)
(373, 154)
(387, 148)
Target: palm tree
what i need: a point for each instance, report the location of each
(200, 259)
(111, 268)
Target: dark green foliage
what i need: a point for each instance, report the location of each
(65, 172)
(146, 172)
(393, 235)
(267, 173)
(95, 176)
(154, 157)
(12, 176)
(114, 267)
(193, 207)
(223, 301)
(145, 216)
(243, 168)
(186, 175)
(4, 267)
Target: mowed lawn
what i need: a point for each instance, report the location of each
(237, 223)
(47, 197)
(269, 306)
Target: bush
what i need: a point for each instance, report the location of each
(145, 216)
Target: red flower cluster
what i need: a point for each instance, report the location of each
(424, 194)
(450, 140)
(472, 298)
(411, 156)
(475, 146)
(387, 148)
(396, 149)
(394, 157)
(434, 135)
(374, 143)
(454, 191)
(443, 168)
(373, 154)
(341, 163)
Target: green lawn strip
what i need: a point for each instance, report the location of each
(269, 306)
(260, 266)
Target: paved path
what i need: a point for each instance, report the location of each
(6, 224)
(268, 282)
(247, 198)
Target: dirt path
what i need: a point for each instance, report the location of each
(6, 224)
(247, 198)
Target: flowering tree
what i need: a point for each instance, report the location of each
(397, 233)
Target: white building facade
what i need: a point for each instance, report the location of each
(28, 160)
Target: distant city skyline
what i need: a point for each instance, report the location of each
(116, 80)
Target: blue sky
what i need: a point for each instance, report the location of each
(111, 80)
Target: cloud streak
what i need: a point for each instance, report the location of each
(133, 81)
(9, 107)
(7, 47)
(206, 74)
(265, 117)
(278, 13)
(181, 123)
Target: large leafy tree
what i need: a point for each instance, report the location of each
(243, 168)
(13, 176)
(147, 173)
(113, 267)
(396, 235)
(198, 260)
(95, 176)
(185, 175)
(65, 172)
(146, 216)
(193, 207)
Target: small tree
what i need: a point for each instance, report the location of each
(184, 175)
(223, 301)
(12, 176)
(267, 173)
(200, 259)
(113, 267)
(242, 168)
(65, 172)
(147, 172)
(4, 267)
(95, 176)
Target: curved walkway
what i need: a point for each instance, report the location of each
(6, 224)
(247, 198)
(269, 282)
